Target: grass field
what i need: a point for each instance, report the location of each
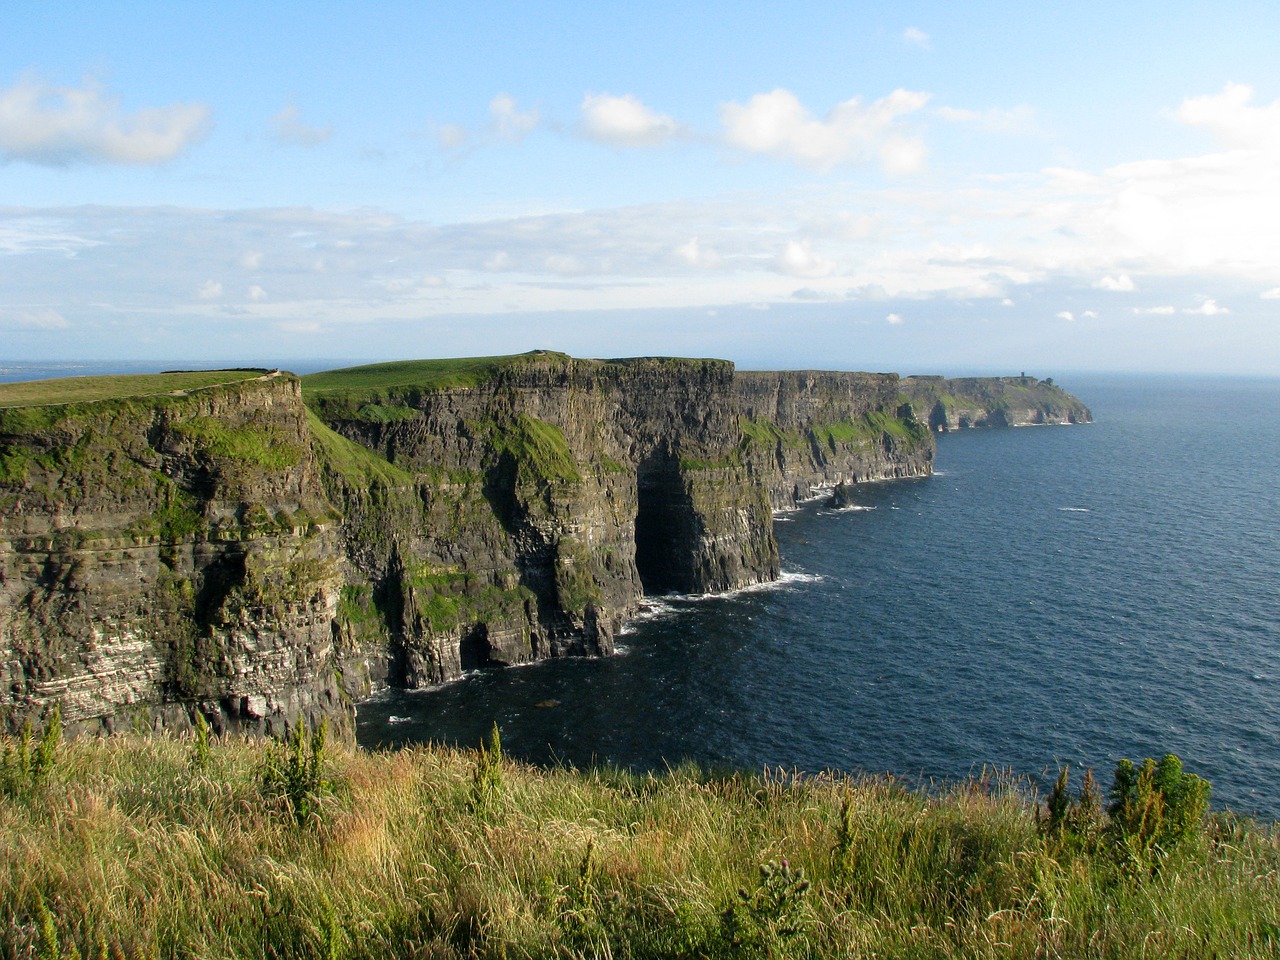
(430, 374)
(129, 847)
(90, 389)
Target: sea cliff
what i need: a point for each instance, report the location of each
(968, 402)
(261, 549)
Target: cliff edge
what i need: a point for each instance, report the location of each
(261, 549)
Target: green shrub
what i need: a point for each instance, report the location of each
(294, 773)
(767, 920)
(1155, 809)
(26, 765)
(486, 779)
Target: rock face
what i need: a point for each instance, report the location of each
(806, 432)
(535, 509)
(963, 403)
(235, 552)
(167, 554)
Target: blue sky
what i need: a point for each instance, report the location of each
(914, 187)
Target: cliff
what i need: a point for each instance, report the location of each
(261, 549)
(809, 431)
(963, 403)
(541, 497)
(163, 552)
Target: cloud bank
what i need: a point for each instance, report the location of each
(56, 126)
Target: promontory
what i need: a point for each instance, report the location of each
(261, 549)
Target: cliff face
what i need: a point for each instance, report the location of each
(809, 431)
(164, 554)
(231, 551)
(538, 506)
(963, 403)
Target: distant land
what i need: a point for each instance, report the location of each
(260, 549)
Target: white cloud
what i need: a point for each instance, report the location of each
(210, 290)
(39, 319)
(1272, 294)
(624, 122)
(256, 293)
(799, 260)
(287, 127)
(498, 262)
(1019, 119)
(251, 259)
(915, 37)
(55, 126)
(1006, 302)
(1090, 315)
(1209, 308)
(1117, 284)
(508, 122)
(1065, 315)
(298, 326)
(778, 124)
(1164, 311)
(563, 264)
(695, 254)
(452, 136)
(894, 319)
(1232, 121)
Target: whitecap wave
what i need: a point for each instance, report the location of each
(394, 719)
(1074, 509)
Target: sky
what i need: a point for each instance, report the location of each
(915, 187)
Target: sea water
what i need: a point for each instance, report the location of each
(1051, 595)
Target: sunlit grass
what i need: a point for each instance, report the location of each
(144, 847)
(90, 389)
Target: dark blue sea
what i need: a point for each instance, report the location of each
(1052, 595)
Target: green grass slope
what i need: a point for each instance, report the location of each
(92, 389)
(377, 378)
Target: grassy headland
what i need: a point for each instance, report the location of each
(157, 847)
(122, 386)
(426, 374)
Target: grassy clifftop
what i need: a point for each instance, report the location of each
(177, 848)
(124, 386)
(425, 374)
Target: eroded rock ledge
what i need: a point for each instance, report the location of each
(269, 550)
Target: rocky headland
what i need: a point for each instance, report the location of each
(261, 549)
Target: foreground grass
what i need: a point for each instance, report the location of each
(143, 848)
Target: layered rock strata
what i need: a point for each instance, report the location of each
(234, 552)
(807, 432)
(164, 555)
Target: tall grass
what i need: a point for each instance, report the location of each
(184, 848)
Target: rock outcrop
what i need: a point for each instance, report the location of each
(166, 554)
(806, 432)
(968, 402)
(267, 550)
(537, 506)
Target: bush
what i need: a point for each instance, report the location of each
(1154, 809)
(295, 773)
(26, 765)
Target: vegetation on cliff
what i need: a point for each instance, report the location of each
(130, 847)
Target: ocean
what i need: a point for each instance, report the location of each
(1052, 595)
